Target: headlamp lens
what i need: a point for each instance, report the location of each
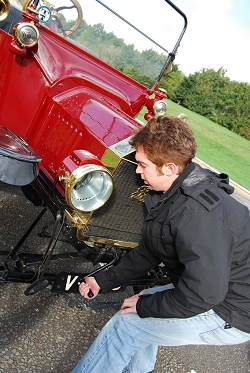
(27, 35)
(89, 188)
(160, 108)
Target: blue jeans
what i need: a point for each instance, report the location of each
(128, 343)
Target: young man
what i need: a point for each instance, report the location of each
(202, 235)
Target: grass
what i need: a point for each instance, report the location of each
(220, 148)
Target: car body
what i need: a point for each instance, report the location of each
(68, 109)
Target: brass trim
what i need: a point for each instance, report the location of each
(4, 9)
(110, 160)
(105, 241)
(80, 220)
(140, 193)
(77, 219)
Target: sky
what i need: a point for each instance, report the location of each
(218, 35)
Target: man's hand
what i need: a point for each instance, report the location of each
(88, 285)
(129, 305)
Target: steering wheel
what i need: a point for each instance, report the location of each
(55, 14)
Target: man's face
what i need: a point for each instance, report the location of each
(150, 175)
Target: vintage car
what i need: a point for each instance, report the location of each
(74, 78)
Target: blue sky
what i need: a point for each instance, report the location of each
(218, 35)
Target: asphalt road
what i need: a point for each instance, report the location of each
(49, 333)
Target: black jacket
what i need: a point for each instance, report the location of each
(202, 235)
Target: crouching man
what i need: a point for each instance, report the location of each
(202, 235)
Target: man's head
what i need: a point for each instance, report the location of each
(166, 145)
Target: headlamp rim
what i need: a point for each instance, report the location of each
(18, 30)
(155, 107)
(77, 175)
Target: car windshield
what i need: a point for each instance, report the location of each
(134, 37)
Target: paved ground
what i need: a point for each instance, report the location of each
(49, 333)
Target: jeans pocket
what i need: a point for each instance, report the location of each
(215, 336)
(221, 336)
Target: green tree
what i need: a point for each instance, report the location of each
(171, 82)
(207, 92)
(212, 94)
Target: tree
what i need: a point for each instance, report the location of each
(207, 92)
(212, 94)
(171, 82)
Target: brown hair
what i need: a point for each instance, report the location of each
(165, 140)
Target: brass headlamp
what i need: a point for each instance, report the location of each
(88, 184)
(4, 9)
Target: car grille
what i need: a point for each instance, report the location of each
(121, 218)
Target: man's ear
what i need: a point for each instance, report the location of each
(170, 169)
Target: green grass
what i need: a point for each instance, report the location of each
(220, 148)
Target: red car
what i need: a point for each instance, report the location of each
(73, 81)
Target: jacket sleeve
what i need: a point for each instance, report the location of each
(132, 265)
(204, 246)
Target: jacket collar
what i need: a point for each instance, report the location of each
(154, 200)
(190, 182)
